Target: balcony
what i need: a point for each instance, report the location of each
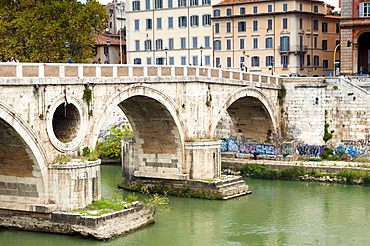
(293, 49)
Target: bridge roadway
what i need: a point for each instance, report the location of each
(175, 113)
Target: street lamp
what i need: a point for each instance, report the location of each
(66, 43)
(108, 43)
(166, 50)
(201, 56)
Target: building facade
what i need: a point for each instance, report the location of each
(355, 27)
(275, 37)
(169, 32)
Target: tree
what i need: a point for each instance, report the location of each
(36, 30)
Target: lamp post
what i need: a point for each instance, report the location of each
(166, 50)
(201, 55)
(349, 43)
(108, 44)
(66, 43)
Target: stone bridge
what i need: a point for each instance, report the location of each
(177, 113)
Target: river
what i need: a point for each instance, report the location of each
(277, 213)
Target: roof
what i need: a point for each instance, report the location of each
(227, 2)
(114, 40)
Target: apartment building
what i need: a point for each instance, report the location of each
(275, 37)
(355, 28)
(169, 32)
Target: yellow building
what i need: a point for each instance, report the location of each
(275, 37)
(173, 32)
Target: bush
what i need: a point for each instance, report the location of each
(292, 173)
(349, 176)
(366, 179)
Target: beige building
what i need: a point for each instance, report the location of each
(275, 37)
(173, 32)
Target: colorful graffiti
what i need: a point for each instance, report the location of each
(350, 150)
(248, 148)
(311, 150)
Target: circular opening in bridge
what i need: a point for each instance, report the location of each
(66, 120)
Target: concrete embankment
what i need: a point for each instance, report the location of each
(102, 227)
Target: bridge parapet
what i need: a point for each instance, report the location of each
(60, 70)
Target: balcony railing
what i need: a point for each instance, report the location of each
(293, 48)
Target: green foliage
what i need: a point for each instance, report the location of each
(314, 159)
(86, 151)
(131, 197)
(36, 31)
(87, 96)
(262, 172)
(366, 179)
(104, 204)
(281, 94)
(327, 135)
(348, 176)
(63, 158)
(335, 87)
(156, 202)
(111, 147)
(315, 174)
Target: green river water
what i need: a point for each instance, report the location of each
(277, 213)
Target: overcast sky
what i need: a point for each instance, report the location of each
(331, 2)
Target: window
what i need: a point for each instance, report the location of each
(217, 45)
(255, 25)
(316, 60)
(181, 3)
(206, 2)
(137, 45)
(315, 25)
(255, 43)
(148, 24)
(207, 60)
(269, 61)
(217, 27)
(170, 22)
(242, 11)
(269, 8)
(325, 64)
(285, 7)
(228, 44)
(172, 60)
(183, 60)
(269, 24)
(300, 7)
(216, 13)
(324, 27)
(301, 43)
(284, 61)
(158, 4)
(255, 9)
(242, 43)
(241, 26)
(308, 60)
(195, 60)
(301, 61)
(206, 19)
(149, 60)
(159, 61)
(195, 43)
(365, 9)
(159, 44)
(136, 6)
(300, 23)
(285, 23)
(315, 42)
(255, 61)
(228, 27)
(170, 44)
(159, 23)
(170, 4)
(284, 43)
(315, 9)
(228, 61)
(228, 12)
(148, 44)
(206, 42)
(325, 45)
(183, 43)
(182, 21)
(242, 62)
(137, 61)
(147, 4)
(194, 20)
(194, 2)
(137, 26)
(268, 43)
(218, 61)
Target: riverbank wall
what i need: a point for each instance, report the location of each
(104, 227)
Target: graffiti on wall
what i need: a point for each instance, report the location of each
(248, 148)
(310, 150)
(350, 150)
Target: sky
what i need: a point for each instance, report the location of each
(331, 2)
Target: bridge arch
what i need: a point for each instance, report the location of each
(158, 131)
(23, 163)
(263, 118)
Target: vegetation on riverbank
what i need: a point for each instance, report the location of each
(294, 173)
